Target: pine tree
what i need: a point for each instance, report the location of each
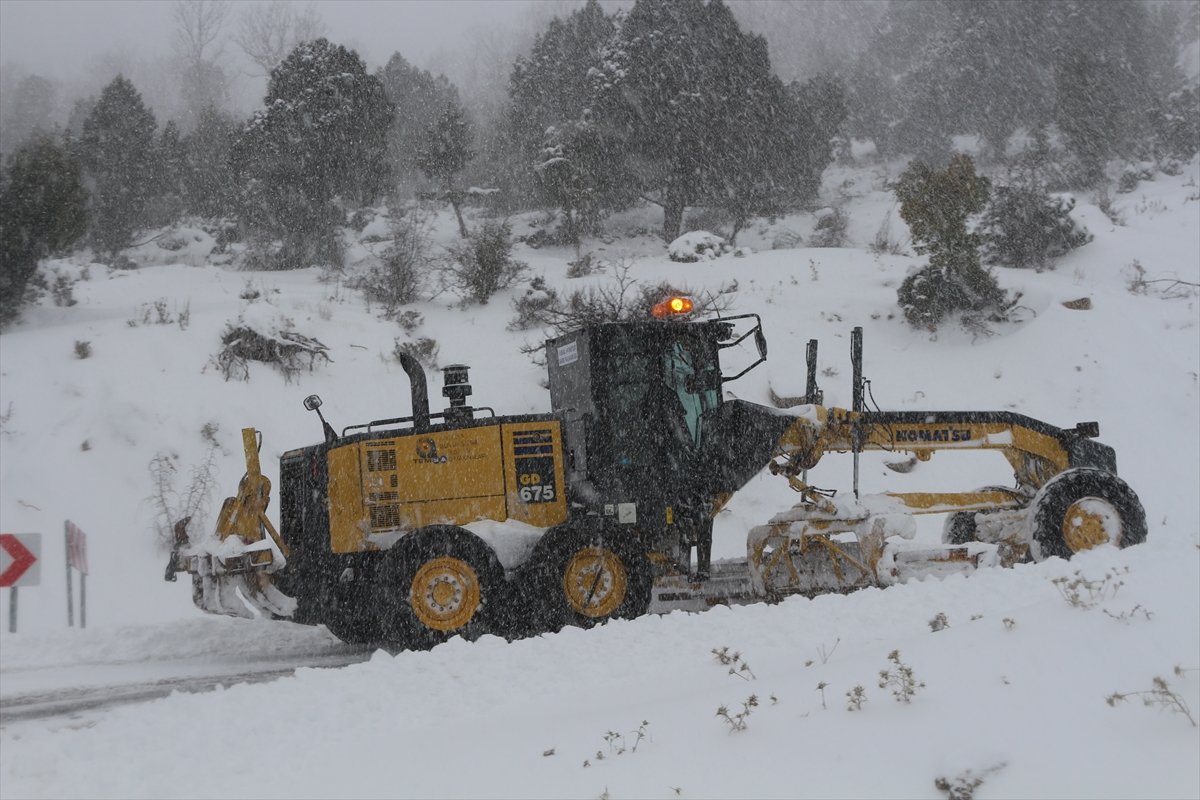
(445, 153)
(210, 189)
(1089, 113)
(697, 105)
(552, 87)
(582, 171)
(117, 152)
(936, 206)
(170, 168)
(554, 84)
(820, 113)
(43, 211)
(321, 135)
(420, 99)
(942, 68)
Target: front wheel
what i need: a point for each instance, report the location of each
(585, 574)
(1080, 509)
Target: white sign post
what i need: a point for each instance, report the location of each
(20, 565)
(76, 541)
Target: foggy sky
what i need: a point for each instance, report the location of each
(57, 38)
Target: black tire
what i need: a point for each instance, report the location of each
(353, 616)
(960, 527)
(354, 630)
(586, 573)
(1081, 508)
(447, 561)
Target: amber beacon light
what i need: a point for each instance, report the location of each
(671, 307)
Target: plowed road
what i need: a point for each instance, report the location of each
(79, 703)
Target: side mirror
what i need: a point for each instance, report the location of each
(313, 403)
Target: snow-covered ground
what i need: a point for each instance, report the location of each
(1014, 689)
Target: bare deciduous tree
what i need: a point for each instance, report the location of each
(198, 24)
(268, 31)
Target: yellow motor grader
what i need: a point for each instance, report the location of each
(409, 530)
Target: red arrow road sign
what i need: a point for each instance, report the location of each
(18, 553)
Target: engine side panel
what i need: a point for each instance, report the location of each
(383, 487)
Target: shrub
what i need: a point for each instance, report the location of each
(583, 266)
(884, 244)
(697, 246)
(929, 294)
(830, 230)
(1160, 695)
(270, 341)
(737, 665)
(737, 722)
(483, 265)
(1178, 123)
(176, 512)
(400, 278)
(1025, 227)
(963, 786)
(709, 219)
(63, 291)
(536, 306)
(901, 680)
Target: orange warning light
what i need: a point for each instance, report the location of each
(671, 306)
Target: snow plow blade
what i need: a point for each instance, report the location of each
(940, 561)
(822, 568)
(728, 583)
(233, 567)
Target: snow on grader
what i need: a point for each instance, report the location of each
(409, 530)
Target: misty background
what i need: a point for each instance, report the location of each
(79, 46)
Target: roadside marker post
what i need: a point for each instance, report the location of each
(76, 547)
(20, 565)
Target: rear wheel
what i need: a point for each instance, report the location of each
(439, 582)
(584, 574)
(1083, 508)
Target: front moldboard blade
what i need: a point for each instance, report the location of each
(920, 562)
(728, 584)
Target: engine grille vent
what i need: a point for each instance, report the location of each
(381, 460)
(383, 517)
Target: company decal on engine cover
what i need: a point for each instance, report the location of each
(934, 435)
